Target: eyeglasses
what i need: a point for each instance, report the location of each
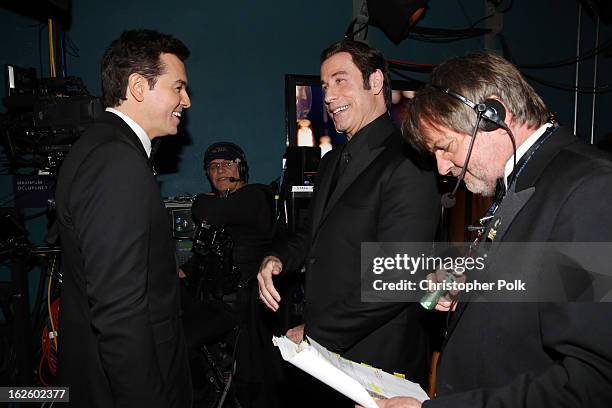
(217, 166)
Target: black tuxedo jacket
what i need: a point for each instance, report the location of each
(381, 197)
(539, 354)
(120, 337)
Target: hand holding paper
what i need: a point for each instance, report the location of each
(356, 381)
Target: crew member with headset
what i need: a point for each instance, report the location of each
(548, 344)
(243, 213)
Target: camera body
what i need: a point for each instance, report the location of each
(213, 245)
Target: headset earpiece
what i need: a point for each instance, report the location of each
(493, 115)
(243, 168)
(492, 111)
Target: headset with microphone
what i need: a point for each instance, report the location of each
(490, 116)
(231, 179)
(241, 161)
(227, 151)
(491, 110)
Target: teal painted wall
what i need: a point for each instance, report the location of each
(241, 51)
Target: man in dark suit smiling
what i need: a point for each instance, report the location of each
(367, 191)
(121, 341)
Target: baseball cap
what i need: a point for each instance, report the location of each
(223, 150)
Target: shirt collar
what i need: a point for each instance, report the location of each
(371, 134)
(142, 135)
(522, 149)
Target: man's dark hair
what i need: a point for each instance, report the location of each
(367, 60)
(476, 76)
(136, 51)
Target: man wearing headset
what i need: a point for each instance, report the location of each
(522, 354)
(245, 212)
(223, 163)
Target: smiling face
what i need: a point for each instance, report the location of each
(220, 171)
(486, 164)
(164, 104)
(349, 104)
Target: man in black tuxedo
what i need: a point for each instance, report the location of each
(121, 342)
(366, 191)
(555, 350)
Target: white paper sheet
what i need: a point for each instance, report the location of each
(356, 381)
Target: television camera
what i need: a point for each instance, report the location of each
(44, 118)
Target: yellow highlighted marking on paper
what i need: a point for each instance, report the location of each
(375, 388)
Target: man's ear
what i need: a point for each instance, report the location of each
(137, 85)
(376, 81)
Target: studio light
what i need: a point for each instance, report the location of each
(396, 17)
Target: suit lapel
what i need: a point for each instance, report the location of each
(323, 186)
(507, 212)
(359, 162)
(509, 209)
(125, 131)
(377, 135)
